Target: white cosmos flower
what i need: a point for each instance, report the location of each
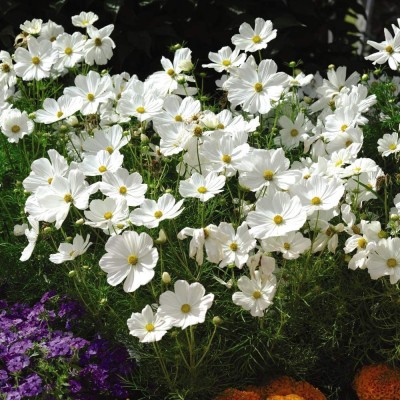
(202, 187)
(84, 19)
(276, 214)
(122, 185)
(52, 202)
(256, 293)
(109, 214)
(389, 144)
(32, 27)
(268, 168)
(103, 161)
(147, 326)
(69, 251)
(70, 50)
(209, 237)
(98, 48)
(15, 124)
(256, 88)
(388, 50)
(152, 212)
(384, 260)
(292, 132)
(129, 256)
(93, 89)
(186, 306)
(7, 72)
(319, 193)
(36, 62)
(19, 230)
(44, 170)
(225, 59)
(56, 110)
(250, 39)
(291, 245)
(50, 30)
(237, 245)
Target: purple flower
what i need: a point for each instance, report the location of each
(17, 363)
(74, 386)
(32, 386)
(3, 377)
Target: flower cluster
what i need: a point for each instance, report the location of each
(379, 381)
(279, 176)
(39, 356)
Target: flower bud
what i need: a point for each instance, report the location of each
(217, 321)
(72, 120)
(331, 66)
(86, 267)
(162, 237)
(292, 64)
(175, 47)
(80, 222)
(47, 230)
(166, 278)
(364, 78)
(103, 301)
(32, 115)
(144, 138)
(69, 239)
(71, 274)
(394, 217)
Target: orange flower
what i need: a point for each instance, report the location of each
(235, 394)
(377, 382)
(288, 397)
(286, 386)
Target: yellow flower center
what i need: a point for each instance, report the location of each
(140, 110)
(59, 114)
(110, 149)
(102, 168)
(391, 263)
(389, 49)
(85, 22)
(149, 327)
(338, 163)
(258, 87)
(256, 39)
(294, 132)
(233, 246)
(186, 308)
(268, 175)
(348, 143)
(226, 158)
(343, 127)
(90, 96)
(35, 60)
(198, 131)
(361, 243)
(307, 176)
(202, 189)
(5, 68)
(97, 42)
(171, 72)
(257, 294)
(393, 146)
(158, 214)
(286, 246)
(132, 260)
(123, 190)
(206, 233)
(220, 126)
(68, 51)
(315, 201)
(68, 198)
(178, 118)
(15, 129)
(108, 215)
(278, 219)
(49, 180)
(226, 63)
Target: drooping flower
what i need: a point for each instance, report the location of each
(69, 251)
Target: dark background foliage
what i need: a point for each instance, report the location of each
(145, 29)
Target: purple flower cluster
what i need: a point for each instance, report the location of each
(40, 356)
